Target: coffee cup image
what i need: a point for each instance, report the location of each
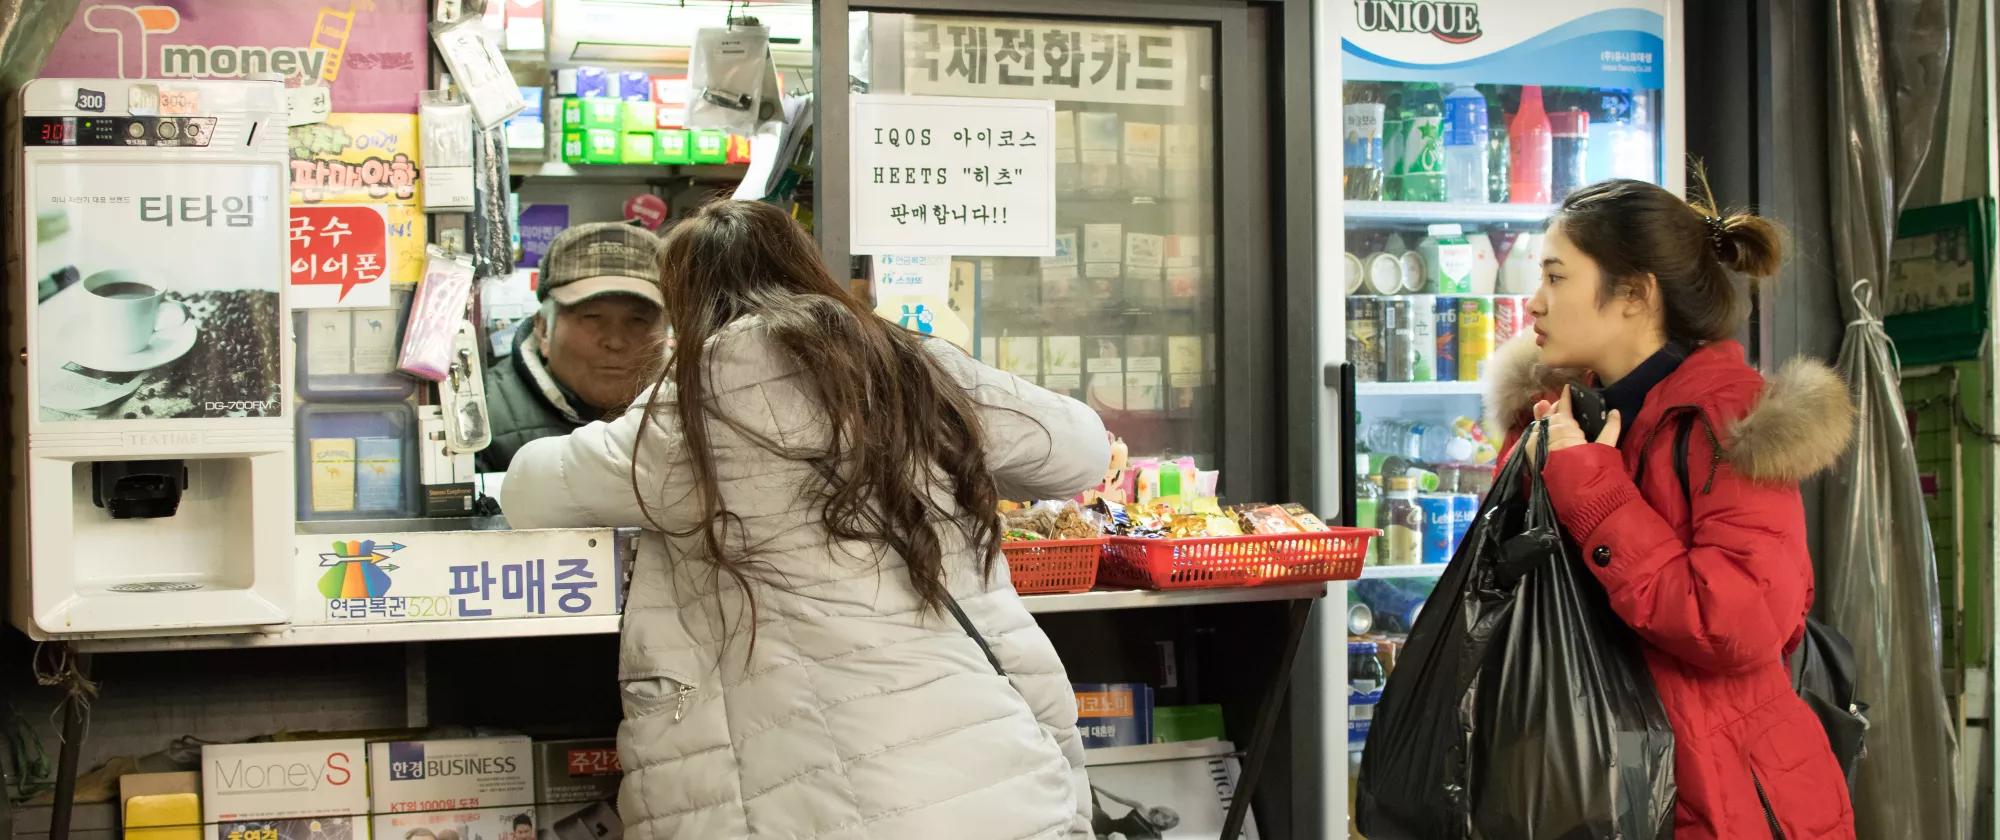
(123, 310)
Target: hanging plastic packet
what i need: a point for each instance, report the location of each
(491, 220)
(463, 395)
(727, 75)
(479, 70)
(446, 127)
(435, 314)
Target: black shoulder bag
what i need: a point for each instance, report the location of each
(1823, 665)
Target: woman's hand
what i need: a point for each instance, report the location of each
(1563, 430)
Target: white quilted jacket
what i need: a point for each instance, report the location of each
(855, 714)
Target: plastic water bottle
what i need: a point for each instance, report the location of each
(1635, 156)
(1423, 145)
(1496, 148)
(1528, 150)
(1465, 153)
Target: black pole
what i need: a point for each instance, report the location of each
(72, 746)
(1267, 720)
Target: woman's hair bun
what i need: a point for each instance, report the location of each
(1750, 244)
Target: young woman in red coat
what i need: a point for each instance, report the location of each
(1639, 298)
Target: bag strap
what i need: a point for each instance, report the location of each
(965, 622)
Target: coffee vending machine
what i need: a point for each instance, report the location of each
(151, 469)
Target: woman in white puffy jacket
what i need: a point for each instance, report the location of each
(818, 492)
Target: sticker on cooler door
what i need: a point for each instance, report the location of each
(1586, 43)
(174, 306)
(339, 257)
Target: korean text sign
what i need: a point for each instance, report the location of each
(457, 575)
(340, 256)
(1071, 61)
(953, 176)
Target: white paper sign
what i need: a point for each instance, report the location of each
(1073, 61)
(936, 175)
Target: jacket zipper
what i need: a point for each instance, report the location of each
(681, 706)
(1769, 817)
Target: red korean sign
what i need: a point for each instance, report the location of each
(339, 256)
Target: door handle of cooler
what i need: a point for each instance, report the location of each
(1340, 378)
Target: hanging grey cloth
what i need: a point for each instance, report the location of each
(1877, 571)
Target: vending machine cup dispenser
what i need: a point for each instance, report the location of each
(149, 357)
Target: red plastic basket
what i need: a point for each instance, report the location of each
(1048, 566)
(1235, 561)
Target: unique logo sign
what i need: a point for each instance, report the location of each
(1450, 22)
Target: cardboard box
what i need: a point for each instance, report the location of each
(637, 116)
(490, 782)
(569, 111)
(601, 112)
(572, 147)
(576, 790)
(670, 101)
(638, 147)
(671, 147)
(300, 789)
(711, 147)
(602, 146)
(635, 85)
(160, 806)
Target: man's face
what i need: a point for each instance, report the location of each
(601, 347)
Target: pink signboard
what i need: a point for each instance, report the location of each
(372, 54)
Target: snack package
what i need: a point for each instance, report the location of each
(1019, 535)
(1266, 519)
(1188, 525)
(1070, 524)
(1220, 523)
(1305, 518)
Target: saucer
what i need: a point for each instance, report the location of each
(174, 334)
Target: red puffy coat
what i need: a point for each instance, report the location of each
(1719, 592)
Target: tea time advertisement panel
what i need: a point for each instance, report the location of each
(165, 304)
(1582, 43)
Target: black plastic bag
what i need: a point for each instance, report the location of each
(1521, 707)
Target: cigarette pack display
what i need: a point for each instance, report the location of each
(1142, 158)
(1098, 139)
(1114, 714)
(1022, 357)
(1182, 160)
(637, 147)
(332, 474)
(355, 454)
(576, 790)
(1145, 276)
(350, 354)
(482, 789)
(1184, 372)
(1066, 250)
(1103, 243)
(670, 147)
(602, 146)
(1062, 359)
(600, 112)
(1104, 373)
(1145, 365)
(294, 790)
(1061, 285)
(1066, 160)
(711, 147)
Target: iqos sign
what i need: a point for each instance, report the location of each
(1450, 22)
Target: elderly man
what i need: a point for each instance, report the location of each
(590, 347)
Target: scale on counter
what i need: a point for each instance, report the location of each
(150, 424)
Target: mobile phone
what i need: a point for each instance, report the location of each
(1587, 405)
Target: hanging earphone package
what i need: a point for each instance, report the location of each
(492, 221)
(727, 75)
(445, 124)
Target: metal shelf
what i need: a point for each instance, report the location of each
(1420, 570)
(1148, 753)
(1412, 212)
(1132, 599)
(359, 634)
(1420, 389)
(512, 628)
(624, 173)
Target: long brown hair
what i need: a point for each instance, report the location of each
(1689, 246)
(899, 424)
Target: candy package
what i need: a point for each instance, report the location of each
(1305, 518)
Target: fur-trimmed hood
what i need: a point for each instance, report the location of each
(1798, 422)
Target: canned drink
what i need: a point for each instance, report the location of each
(1398, 356)
(1475, 337)
(1360, 619)
(1423, 338)
(1446, 327)
(1464, 509)
(1507, 319)
(1438, 544)
(1364, 338)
